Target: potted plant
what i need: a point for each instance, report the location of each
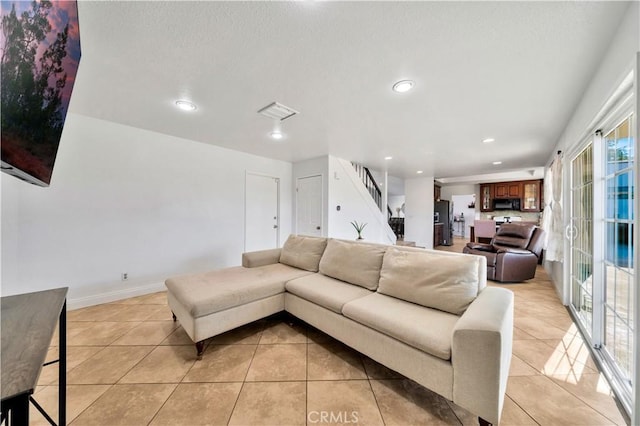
(359, 227)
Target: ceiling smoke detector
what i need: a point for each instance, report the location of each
(277, 111)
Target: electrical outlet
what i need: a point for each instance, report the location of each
(125, 276)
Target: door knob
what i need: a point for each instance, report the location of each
(275, 226)
(318, 228)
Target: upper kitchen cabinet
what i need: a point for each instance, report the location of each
(531, 196)
(529, 192)
(486, 197)
(437, 192)
(507, 190)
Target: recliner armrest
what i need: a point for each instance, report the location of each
(480, 246)
(481, 353)
(254, 259)
(514, 250)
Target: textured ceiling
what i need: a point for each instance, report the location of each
(509, 70)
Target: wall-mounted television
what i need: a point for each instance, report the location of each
(40, 44)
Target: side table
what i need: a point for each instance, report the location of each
(28, 322)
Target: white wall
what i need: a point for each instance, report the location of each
(347, 191)
(448, 191)
(395, 185)
(418, 222)
(396, 202)
(313, 167)
(128, 200)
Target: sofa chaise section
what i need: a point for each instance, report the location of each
(214, 302)
(211, 303)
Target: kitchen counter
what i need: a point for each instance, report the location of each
(472, 235)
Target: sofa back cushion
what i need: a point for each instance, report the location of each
(303, 252)
(447, 283)
(354, 262)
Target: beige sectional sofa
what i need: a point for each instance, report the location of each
(426, 314)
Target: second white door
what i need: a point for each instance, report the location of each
(261, 212)
(309, 206)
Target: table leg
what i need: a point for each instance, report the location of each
(62, 368)
(19, 410)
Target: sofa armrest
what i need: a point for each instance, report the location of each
(254, 259)
(481, 353)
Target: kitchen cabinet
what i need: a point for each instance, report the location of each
(506, 190)
(529, 192)
(531, 200)
(486, 197)
(437, 191)
(438, 234)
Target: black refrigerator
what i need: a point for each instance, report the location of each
(445, 216)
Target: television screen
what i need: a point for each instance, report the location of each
(40, 56)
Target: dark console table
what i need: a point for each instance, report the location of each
(28, 322)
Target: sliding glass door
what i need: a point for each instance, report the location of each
(600, 234)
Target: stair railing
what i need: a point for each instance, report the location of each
(372, 186)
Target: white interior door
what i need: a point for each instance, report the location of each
(261, 212)
(309, 206)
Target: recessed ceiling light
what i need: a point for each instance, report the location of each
(388, 158)
(403, 86)
(495, 163)
(186, 105)
(488, 140)
(276, 135)
(419, 172)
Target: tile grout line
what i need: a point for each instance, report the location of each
(244, 380)
(522, 408)
(375, 398)
(90, 405)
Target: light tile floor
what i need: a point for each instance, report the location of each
(129, 364)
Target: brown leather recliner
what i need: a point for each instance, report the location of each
(513, 253)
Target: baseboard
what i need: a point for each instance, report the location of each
(112, 296)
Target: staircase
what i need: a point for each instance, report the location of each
(372, 186)
(373, 189)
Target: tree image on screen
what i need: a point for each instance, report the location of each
(35, 74)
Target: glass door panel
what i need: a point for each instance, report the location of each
(581, 233)
(618, 260)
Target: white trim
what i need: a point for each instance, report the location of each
(635, 409)
(112, 296)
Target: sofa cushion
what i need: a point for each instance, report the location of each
(353, 262)
(448, 283)
(325, 291)
(215, 291)
(303, 252)
(426, 329)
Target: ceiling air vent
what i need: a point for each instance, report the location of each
(277, 111)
